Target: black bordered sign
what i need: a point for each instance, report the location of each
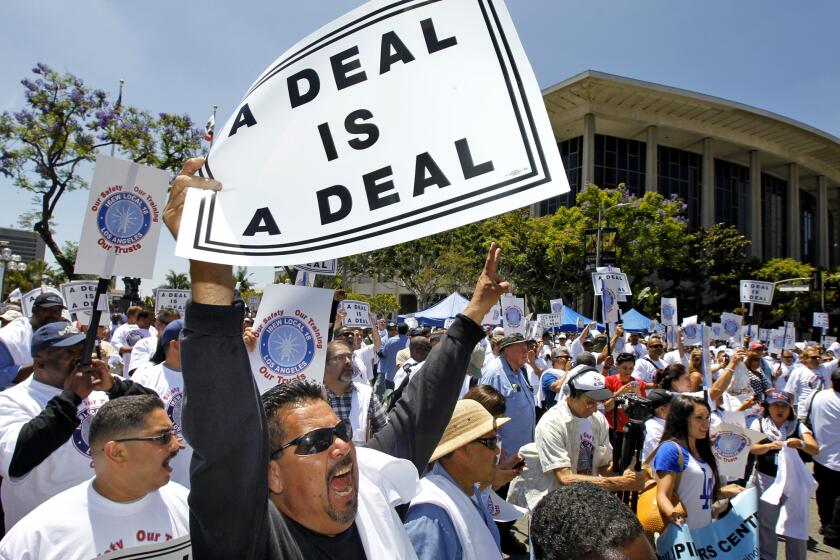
(399, 120)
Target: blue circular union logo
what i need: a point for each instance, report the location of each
(731, 327)
(124, 218)
(609, 298)
(730, 444)
(287, 346)
(513, 317)
(667, 311)
(173, 410)
(81, 435)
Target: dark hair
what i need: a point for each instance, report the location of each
(159, 356)
(666, 377)
(419, 344)
(765, 411)
(120, 416)
(583, 522)
(145, 314)
(676, 428)
(625, 357)
(488, 397)
(296, 393)
(585, 359)
(435, 337)
(402, 328)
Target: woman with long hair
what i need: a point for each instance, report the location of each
(778, 421)
(685, 466)
(674, 378)
(695, 369)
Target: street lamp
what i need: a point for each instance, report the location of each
(8, 260)
(601, 212)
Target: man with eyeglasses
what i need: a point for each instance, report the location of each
(783, 370)
(129, 502)
(449, 518)
(809, 376)
(646, 368)
(44, 420)
(289, 482)
(351, 400)
(552, 378)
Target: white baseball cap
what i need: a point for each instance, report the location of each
(592, 384)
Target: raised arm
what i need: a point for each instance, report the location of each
(417, 422)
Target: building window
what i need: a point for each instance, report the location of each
(807, 225)
(571, 152)
(680, 175)
(732, 187)
(618, 160)
(773, 216)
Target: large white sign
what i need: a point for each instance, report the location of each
(556, 306)
(122, 219)
(79, 295)
(616, 280)
(753, 291)
(397, 120)
(731, 324)
(166, 297)
(550, 320)
(668, 312)
(357, 313)
(494, 316)
(821, 320)
(513, 315)
(324, 268)
(291, 329)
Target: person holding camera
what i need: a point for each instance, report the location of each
(621, 383)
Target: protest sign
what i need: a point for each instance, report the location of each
(494, 316)
(829, 340)
(535, 330)
(122, 219)
(254, 303)
(763, 334)
(550, 320)
(790, 335)
(513, 315)
(731, 324)
(717, 331)
(777, 341)
(652, 326)
(750, 331)
(28, 298)
(735, 535)
(668, 311)
(79, 295)
(579, 323)
(291, 329)
(448, 322)
(173, 549)
(305, 278)
(358, 313)
(731, 448)
(753, 291)
(556, 305)
(374, 131)
(692, 333)
(609, 300)
(324, 268)
(617, 281)
(821, 320)
(167, 297)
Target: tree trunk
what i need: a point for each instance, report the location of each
(42, 228)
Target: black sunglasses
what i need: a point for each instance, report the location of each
(163, 438)
(657, 346)
(489, 443)
(318, 440)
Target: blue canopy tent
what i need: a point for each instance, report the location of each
(437, 314)
(570, 320)
(634, 321)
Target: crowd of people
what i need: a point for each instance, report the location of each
(421, 442)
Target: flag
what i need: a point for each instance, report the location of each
(208, 128)
(118, 104)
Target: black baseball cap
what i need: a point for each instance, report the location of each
(55, 335)
(48, 300)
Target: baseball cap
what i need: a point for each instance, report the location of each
(171, 332)
(48, 300)
(775, 397)
(470, 420)
(659, 397)
(756, 346)
(498, 331)
(512, 339)
(592, 384)
(10, 315)
(55, 335)
(562, 335)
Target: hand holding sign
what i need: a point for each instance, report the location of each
(178, 193)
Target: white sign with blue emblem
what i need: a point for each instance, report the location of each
(731, 323)
(122, 219)
(291, 329)
(513, 315)
(731, 447)
(668, 312)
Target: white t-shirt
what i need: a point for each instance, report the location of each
(654, 428)
(587, 446)
(825, 419)
(673, 357)
(17, 336)
(364, 359)
(645, 371)
(121, 339)
(79, 524)
(169, 385)
(67, 466)
(141, 354)
(696, 483)
(803, 381)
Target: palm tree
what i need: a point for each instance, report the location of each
(177, 280)
(242, 278)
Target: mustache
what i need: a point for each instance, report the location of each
(347, 461)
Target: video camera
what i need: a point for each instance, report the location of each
(638, 409)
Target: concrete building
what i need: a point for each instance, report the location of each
(773, 178)
(25, 243)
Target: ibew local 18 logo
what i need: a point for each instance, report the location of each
(123, 218)
(81, 435)
(731, 327)
(729, 445)
(287, 345)
(667, 312)
(513, 316)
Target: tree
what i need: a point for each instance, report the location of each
(241, 277)
(65, 123)
(384, 304)
(786, 304)
(37, 272)
(177, 280)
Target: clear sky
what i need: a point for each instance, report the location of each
(185, 56)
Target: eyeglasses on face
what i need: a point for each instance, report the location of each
(163, 438)
(340, 358)
(489, 443)
(318, 440)
(657, 346)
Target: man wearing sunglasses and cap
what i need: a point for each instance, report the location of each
(278, 476)
(449, 517)
(44, 420)
(128, 503)
(572, 445)
(15, 355)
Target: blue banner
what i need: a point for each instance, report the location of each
(733, 536)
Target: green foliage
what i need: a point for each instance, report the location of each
(242, 277)
(64, 124)
(36, 273)
(177, 280)
(787, 303)
(383, 304)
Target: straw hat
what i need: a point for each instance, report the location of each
(469, 422)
